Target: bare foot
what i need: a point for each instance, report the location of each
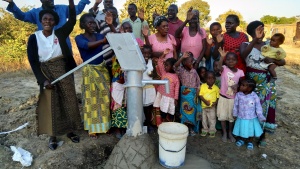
(93, 136)
(224, 137)
(232, 139)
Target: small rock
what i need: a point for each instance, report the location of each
(294, 137)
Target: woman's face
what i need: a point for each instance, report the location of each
(230, 24)
(194, 21)
(163, 28)
(89, 25)
(48, 22)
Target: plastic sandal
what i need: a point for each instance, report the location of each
(250, 146)
(239, 143)
(203, 133)
(212, 134)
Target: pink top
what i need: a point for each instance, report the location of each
(229, 79)
(172, 29)
(173, 81)
(161, 46)
(192, 44)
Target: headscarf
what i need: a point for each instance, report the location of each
(158, 20)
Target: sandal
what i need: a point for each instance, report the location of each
(212, 134)
(250, 146)
(192, 133)
(52, 143)
(262, 144)
(73, 137)
(203, 133)
(239, 143)
(93, 136)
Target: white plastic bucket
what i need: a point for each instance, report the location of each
(172, 144)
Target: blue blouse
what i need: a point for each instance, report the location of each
(85, 52)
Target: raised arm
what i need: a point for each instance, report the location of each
(189, 16)
(28, 16)
(109, 19)
(145, 32)
(81, 5)
(67, 28)
(218, 43)
(95, 8)
(185, 55)
(223, 54)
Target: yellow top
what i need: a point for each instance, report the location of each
(209, 94)
(274, 53)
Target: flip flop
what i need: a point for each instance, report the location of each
(239, 143)
(73, 137)
(52, 144)
(250, 146)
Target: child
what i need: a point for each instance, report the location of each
(215, 29)
(230, 76)
(209, 94)
(247, 109)
(149, 92)
(190, 107)
(201, 72)
(166, 102)
(273, 51)
(217, 74)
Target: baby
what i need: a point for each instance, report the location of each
(273, 51)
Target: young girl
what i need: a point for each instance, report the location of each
(202, 72)
(149, 92)
(230, 76)
(232, 40)
(166, 102)
(190, 107)
(215, 29)
(247, 110)
(209, 94)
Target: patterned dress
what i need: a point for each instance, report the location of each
(233, 45)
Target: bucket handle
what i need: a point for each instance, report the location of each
(172, 151)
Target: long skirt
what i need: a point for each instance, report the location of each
(96, 98)
(190, 107)
(266, 92)
(119, 114)
(62, 116)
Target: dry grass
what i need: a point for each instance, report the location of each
(293, 57)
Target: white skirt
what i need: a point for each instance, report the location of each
(149, 95)
(166, 104)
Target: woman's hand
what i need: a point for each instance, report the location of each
(190, 14)
(259, 32)
(222, 52)
(47, 85)
(109, 18)
(141, 14)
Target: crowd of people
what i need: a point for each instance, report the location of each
(223, 82)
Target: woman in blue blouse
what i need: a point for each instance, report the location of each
(96, 79)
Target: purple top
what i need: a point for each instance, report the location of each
(247, 106)
(188, 78)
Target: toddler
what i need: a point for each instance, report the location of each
(209, 94)
(247, 110)
(274, 51)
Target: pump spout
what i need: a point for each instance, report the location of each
(160, 82)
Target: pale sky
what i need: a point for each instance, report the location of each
(250, 9)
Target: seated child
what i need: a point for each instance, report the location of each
(273, 51)
(209, 94)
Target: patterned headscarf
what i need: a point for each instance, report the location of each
(158, 20)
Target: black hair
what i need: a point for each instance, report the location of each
(232, 53)
(175, 6)
(127, 22)
(147, 47)
(250, 82)
(201, 68)
(112, 8)
(252, 26)
(83, 18)
(49, 11)
(172, 62)
(234, 17)
(280, 36)
(133, 5)
(215, 24)
(158, 20)
(210, 72)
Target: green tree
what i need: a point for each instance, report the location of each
(268, 19)
(200, 5)
(13, 37)
(222, 18)
(160, 6)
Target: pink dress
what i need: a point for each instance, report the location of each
(161, 46)
(192, 44)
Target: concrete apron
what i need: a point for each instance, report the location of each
(191, 162)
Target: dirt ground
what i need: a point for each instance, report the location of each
(18, 99)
